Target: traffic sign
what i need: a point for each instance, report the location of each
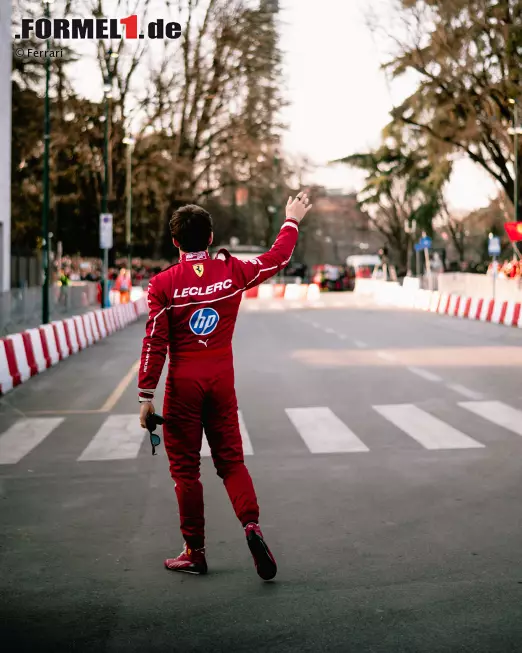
(106, 230)
(494, 246)
(424, 243)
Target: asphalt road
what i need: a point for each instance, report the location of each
(386, 450)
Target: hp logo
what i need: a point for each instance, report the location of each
(203, 321)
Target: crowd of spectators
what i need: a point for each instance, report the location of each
(507, 269)
(70, 269)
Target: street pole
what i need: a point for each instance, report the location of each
(105, 272)
(277, 167)
(107, 89)
(494, 275)
(410, 230)
(128, 213)
(45, 208)
(516, 162)
(428, 264)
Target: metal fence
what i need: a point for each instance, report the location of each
(26, 271)
(21, 308)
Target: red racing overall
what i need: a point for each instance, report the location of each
(193, 308)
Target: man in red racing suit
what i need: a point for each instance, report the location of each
(193, 307)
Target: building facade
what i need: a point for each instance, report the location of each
(5, 145)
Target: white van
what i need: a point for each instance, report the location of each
(364, 264)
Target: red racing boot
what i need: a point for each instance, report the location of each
(191, 561)
(266, 566)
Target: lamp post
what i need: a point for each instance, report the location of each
(411, 230)
(495, 268)
(45, 205)
(277, 168)
(515, 131)
(129, 142)
(107, 91)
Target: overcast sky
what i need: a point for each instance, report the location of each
(339, 98)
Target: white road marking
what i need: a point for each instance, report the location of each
(386, 356)
(498, 413)
(465, 392)
(425, 374)
(205, 449)
(360, 344)
(119, 438)
(316, 325)
(24, 436)
(342, 336)
(329, 330)
(247, 443)
(323, 432)
(430, 432)
(120, 388)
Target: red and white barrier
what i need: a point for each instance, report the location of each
(118, 318)
(35, 351)
(88, 329)
(23, 368)
(80, 331)
(70, 335)
(453, 305)
(435, 301)
(496, 311)
(94, 326)
(23, 355)
(512, 317)
(109, 319)
(49, 344)
(61, 339)
(286, 292)
(464, 307)
(6, 374)
(101, 323)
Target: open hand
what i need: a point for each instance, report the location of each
(299, 207)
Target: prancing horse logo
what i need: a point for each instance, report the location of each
(198, 269)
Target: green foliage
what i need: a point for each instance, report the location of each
(466, 55)
(402, 185)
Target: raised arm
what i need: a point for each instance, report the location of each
(261, 268)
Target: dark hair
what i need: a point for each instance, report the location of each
(191, 227)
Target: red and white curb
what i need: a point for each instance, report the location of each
(23, 355)
(497, 311)
(284, 291)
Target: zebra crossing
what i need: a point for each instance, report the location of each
(321, 431)
(119, 438)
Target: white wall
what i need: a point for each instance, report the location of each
(480, 285)
(5, 144)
